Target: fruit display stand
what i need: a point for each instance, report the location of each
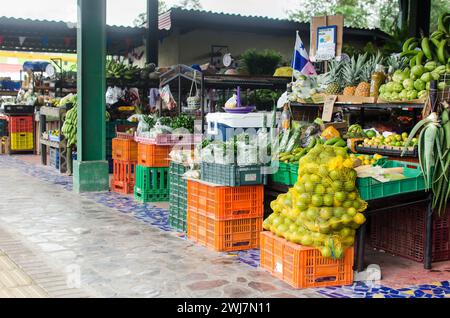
(65, 153)
(362, 107)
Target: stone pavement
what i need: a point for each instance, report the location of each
(77, 247)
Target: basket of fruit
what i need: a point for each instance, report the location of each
(392, 145)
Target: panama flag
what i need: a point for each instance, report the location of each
(300, 60)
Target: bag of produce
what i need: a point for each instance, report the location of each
(324, 208)
(330, 133)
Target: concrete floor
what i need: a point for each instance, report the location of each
(106, 253)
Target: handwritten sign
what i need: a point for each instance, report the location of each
(328, 107)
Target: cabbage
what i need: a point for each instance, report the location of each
(430, 66)
(403, 94)
(397, 87)
(418, 70)
(408, 83)
(419, 85)
(426, 77)
(399, 76)
(390, 87)
(422, 94)
(412, 94)
(394, 96)
(382, 89)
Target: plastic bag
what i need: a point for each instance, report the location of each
(323, 209)
(330, 133)
(232, 102)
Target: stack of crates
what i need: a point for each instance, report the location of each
(152, 173)
(3, 128)
(54, 158)
(178, 197)
(224, 218)
(112, 127)
(124, 154)
(21, 133)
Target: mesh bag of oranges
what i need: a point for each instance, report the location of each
(323, 209)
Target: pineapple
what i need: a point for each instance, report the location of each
(351, 74)
(334, 80)
(363, 88)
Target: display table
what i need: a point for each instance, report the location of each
(379, 206)
(65, 153)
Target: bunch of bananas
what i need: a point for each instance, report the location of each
(355, 131)
(120, 70)
(69, 129)
(434, 48)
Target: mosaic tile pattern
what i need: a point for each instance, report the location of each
(158, 217)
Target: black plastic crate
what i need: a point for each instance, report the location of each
(388, 151)
(3, 127)
(18, 109)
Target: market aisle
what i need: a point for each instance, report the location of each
(114, 254)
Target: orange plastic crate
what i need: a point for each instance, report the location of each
(153, 156)
(21, 124)
(225, 203)
(124, 149)
(304, 267)
(223, 236)
(124, 176)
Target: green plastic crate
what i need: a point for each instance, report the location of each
(371, 189)
(178, 197)
(284, 175)
(294, 173)
(177, 220)
(151, 184)
(379, 162)
(231, 175)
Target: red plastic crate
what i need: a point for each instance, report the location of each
(403, 233)
(225, 203)
(304, 267)
(124, 149)
(223, 236)
(124, 176)
(21, 124)
(153, 156)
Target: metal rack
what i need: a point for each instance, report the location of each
(183, 76)
(65, 153)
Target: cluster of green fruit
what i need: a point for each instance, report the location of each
(433, 48)
(355, 131)
(295, 155)
(428, 59)
(69, 129)
(413, 83)
(120, 70)
(323, 209)
(394, 140)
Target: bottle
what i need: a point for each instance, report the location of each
(285, 118)
(378, 78)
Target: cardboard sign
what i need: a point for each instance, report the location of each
(326, 43)
(333, 22)
(328, 107)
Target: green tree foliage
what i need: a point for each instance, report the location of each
(437, 8)
(162, 7)
(357, 13)
(142, 17)
(189, 4)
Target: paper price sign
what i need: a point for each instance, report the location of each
(328, 107)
